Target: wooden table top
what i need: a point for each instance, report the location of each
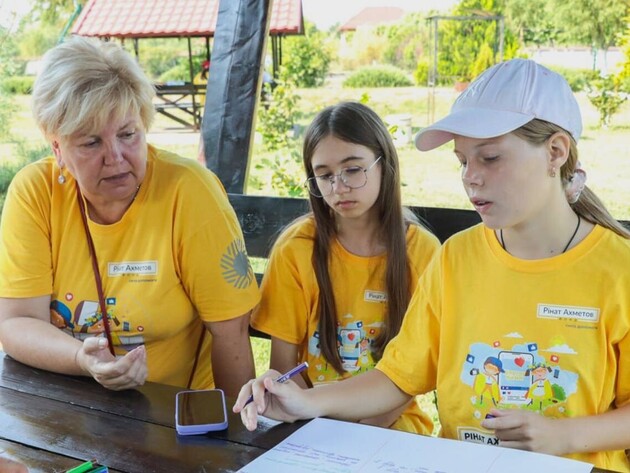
(53, 422)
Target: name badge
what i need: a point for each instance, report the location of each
(132, 267)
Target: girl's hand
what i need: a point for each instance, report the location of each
(527, 430)
(281, 401)
(113, 373)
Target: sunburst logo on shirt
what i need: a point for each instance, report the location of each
(235, 265)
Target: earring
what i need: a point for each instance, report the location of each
(552, 172)
(61, 179)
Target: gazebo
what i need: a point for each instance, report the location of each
(139, 19)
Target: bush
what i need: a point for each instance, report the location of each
(578, 79)
(18, 84)
(277, 116)
(306, 58)
(378, 76)
(421, 75)
(25, 155)
(181, 70)
(605, 95)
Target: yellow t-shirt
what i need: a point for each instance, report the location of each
(288, 308)
(175, 259)
(549, 336)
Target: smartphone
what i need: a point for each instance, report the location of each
(514, 378)
(199, 412)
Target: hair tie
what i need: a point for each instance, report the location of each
(575, 185)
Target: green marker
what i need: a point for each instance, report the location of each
(83, 467)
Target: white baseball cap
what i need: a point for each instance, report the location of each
(503, 98)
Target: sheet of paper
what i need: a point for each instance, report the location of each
(330, 446)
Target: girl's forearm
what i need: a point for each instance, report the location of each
(359, 397)
(598, 433)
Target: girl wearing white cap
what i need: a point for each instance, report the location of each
(543, 281)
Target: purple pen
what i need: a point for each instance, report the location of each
(285, 377)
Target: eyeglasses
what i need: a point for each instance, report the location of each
(353, 177)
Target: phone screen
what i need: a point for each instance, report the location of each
(201, 407)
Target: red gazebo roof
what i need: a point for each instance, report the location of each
(172, 18)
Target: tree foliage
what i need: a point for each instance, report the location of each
(471, 45)
(306, 58)
(7, 69)
(407, 41)
(51, 12)
(532, 21)
(597, 23)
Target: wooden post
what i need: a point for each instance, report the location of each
(233, 89)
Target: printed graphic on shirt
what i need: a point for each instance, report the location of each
(87, 321)
(354, 342)
(511, 373)
(235, 265)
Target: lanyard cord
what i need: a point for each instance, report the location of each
(97, 274)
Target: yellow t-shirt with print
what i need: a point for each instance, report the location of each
(288, 308)
(489, 330)
(176, 259)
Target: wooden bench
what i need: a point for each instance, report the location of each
(263, 218)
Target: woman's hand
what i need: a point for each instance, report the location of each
(281, 401)
(526, 430)
(113, 373)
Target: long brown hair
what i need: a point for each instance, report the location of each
(588, 206)
(358, 124)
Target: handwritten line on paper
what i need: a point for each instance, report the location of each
(330, 446)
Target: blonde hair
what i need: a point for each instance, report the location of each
(85, 83)
(588, 206)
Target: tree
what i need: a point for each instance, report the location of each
(624, 74)
(306, 58)
(51, 12)
(407, 41)
(461, 42)
(7, 68)
(532, 20)
(597, 23)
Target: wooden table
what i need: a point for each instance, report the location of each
(182, 96)
(53, 422)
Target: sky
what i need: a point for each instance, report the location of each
(10, 10)
(325, 13)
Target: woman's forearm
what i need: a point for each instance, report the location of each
(37, 343)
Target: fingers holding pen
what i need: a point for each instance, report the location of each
(251, 400)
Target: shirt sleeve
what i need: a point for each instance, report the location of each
(622, 394)
(213, 263)
(287, 298)
(25, 247)
(410, 359)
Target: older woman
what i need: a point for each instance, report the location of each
(111, 225)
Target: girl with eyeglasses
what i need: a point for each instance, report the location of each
(339, 279)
